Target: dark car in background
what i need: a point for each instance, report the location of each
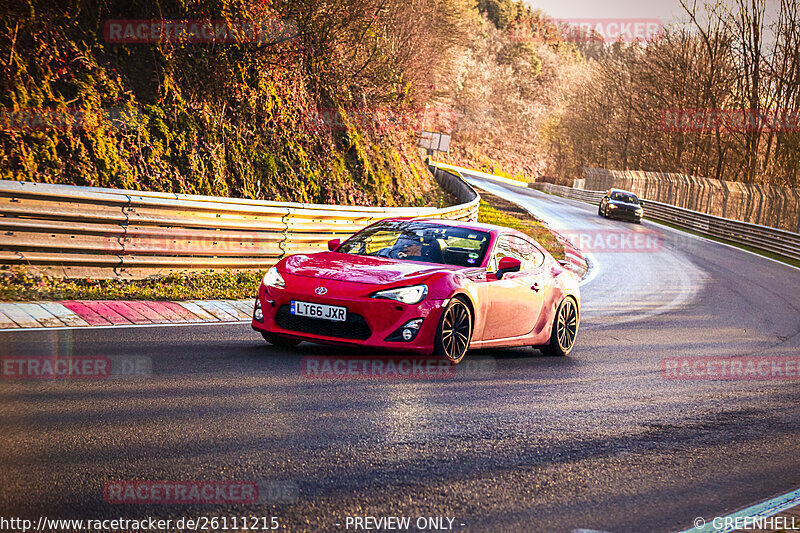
(621, 205)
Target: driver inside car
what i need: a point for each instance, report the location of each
(406, 248)
(416, 248)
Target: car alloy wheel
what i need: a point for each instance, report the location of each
(455, 331)
(565, 329)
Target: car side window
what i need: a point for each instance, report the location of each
(527, 252)
(503, 248)
(513, 246)
(535, 257)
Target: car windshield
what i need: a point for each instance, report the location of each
(624, 197)
(420, 241)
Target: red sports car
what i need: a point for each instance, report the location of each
(424, 286)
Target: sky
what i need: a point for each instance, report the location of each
(668, 11)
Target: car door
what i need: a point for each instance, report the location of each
(538, 278)
(515, 301)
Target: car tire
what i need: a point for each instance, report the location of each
(280, 342)
(454, 332)
(564, 331)
(600, 210)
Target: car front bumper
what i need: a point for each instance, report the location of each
(624, 214)
(370, 321)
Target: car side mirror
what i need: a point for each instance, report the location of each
(508, 264)
(333, 244)
(641, 203)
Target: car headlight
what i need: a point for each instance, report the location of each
(407, 295)
(640, 211)
(612, 206)
(273, 279)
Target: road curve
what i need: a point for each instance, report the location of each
(642, 277)
(597, 441)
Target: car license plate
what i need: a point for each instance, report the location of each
(325, 312)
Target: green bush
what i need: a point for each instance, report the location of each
(19, 285)
(216, 119)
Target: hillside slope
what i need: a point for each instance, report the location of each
(252, 118)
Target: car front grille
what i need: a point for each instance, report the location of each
(354, 328)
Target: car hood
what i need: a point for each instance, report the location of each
(624, 204)
(359, 269)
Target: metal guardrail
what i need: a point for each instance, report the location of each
(764, 238)
(75, 232)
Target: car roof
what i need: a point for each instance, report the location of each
(622, 191)
(477, 226)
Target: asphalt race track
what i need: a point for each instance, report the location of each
(520, 442)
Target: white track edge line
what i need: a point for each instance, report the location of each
(489, 176)
(686, 232)
(733, 246)
(594, 269)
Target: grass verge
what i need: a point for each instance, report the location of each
(21, 286)
(496, 210)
